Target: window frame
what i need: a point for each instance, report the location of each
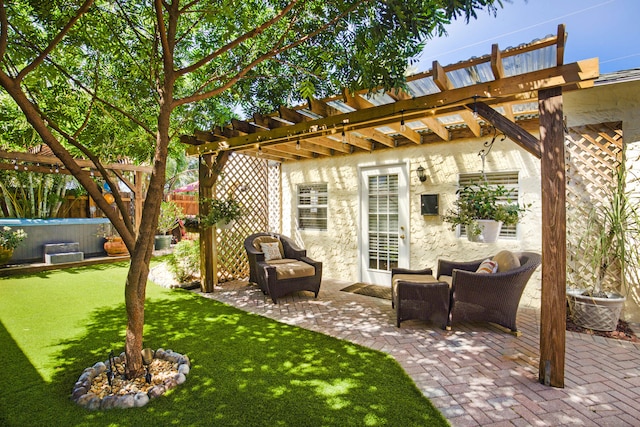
(316, 193)
(508, 179)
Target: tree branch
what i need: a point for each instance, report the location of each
(246, 36)
(4, 30)
(57, 39)
(233, 80)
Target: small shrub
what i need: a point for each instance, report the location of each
(184, 262)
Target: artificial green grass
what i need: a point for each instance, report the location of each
(246, 370)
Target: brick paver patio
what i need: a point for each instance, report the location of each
(476, 374)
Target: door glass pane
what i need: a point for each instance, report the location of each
(383, 222)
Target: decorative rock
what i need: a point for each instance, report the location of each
(170, 383)
(156, 391)
(99, 368)
(180, 378)
(126, 401)
(140, 399)
(184, 369)
(87, 375)
(78, 392)
(93, 404)
(108, 402)
(171, 357)
(91, 392)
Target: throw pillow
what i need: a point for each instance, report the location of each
(487, 267)
(506, 260)
(271, 251)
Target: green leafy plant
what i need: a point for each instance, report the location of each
(184, 262)
(10, 239)
(483, 201)
(221, 210)
(169, 214)
(610, 242)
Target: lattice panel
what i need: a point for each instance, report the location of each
(275, 197)
(594, 154)
(245, 179)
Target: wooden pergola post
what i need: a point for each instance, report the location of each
(205, 191)
(554, 236)
(209, 168)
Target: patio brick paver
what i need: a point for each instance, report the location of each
(476, 374)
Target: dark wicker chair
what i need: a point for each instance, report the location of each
(416, 294)
(278, 283)
(487, 297)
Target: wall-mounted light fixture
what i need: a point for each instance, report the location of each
(422, 176)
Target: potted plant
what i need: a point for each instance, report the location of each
(113, 245)
(222, 213)
(9, 240)
(169, 215)
(609, 248)
(482, 209)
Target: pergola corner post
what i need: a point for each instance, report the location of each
(209, 168)
(553, 302)
(207, 247)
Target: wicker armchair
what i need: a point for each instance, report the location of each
(277, 277)
(487, 297)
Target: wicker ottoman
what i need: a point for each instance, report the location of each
(427, 301)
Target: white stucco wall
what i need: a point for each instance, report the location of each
(430, 237)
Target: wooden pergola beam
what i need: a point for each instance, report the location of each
(416, 108)
(53, 160)
(510, 129)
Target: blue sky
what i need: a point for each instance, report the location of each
(607, 29)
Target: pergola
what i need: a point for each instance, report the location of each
(513, 90)
(47, 163)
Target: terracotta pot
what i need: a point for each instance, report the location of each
(114, 246)
(5, 255)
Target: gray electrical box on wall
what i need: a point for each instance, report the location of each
(429, 204)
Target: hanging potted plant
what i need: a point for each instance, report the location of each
(9, 240)
(609, 248)
(483, 209)
(222, 213)
(170, 213)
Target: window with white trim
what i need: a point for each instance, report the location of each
(509, 180)
(312, 206)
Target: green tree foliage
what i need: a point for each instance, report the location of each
(108, 79)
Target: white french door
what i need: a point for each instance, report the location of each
(384, 222)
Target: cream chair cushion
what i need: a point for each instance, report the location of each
(292, 268)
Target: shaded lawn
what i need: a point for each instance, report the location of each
(246, 370)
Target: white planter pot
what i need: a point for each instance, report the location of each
(599, 314)
(224, 225)
(490, 231)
